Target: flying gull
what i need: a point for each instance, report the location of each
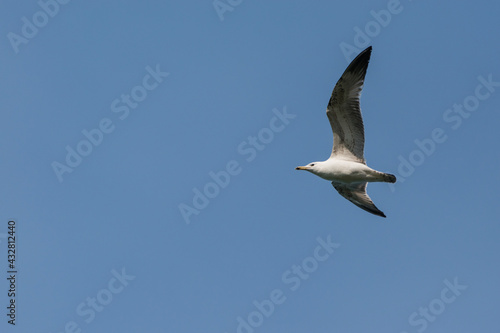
(346, 168)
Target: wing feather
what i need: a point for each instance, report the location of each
(356, 193)
(344, 112)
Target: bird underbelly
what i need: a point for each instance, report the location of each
(348, 172)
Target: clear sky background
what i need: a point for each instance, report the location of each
(105, 247)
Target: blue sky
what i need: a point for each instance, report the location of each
(115, 115)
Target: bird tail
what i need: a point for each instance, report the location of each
(388, 178)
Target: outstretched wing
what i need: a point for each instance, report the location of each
(356, 193)
(344, 111)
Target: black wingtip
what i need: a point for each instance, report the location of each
(360, 63)
(368, 50)
(365, 53)
(374, 210)
(377, 212)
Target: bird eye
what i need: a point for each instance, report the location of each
(312, 164)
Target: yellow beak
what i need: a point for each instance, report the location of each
(302, 168)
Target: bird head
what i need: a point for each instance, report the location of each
(311, 167)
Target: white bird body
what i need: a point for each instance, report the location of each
(346, 172)
(346, 168)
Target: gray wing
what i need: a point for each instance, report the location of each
(356, 193)
(344, 112)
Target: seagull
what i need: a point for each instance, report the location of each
(346, 168)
